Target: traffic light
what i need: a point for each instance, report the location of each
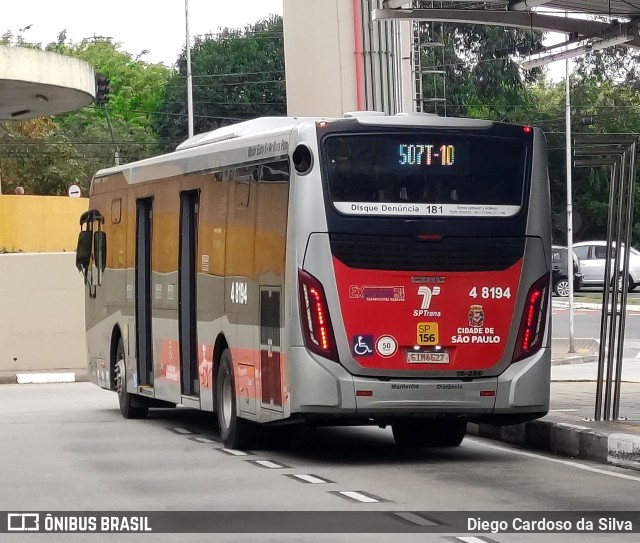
(102, 90)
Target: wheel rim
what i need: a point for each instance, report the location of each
(563, 288)
(227, 400)
(120, 378)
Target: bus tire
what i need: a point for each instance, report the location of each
(126, 401)
(236, 433)
(429, 433)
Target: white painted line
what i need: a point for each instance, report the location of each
(182, 431)
(563, 410)
(309, 478)
(44, 378)
(357, 496)
(638, 355)
(569, 463)
(204, 440)
(416, 519)
(572, 426)
(233, 452)
(269, 464)
(471, 540)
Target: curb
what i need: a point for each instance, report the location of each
(31, 378)
(574, 359)
(557, 304)
(570, 440)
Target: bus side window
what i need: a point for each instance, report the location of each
(243, 177)
(275, 172)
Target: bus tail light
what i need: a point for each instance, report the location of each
(534, 319)
(316, 323)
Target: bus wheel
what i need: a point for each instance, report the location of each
(429, 433)
(126, 400)
(236, 433)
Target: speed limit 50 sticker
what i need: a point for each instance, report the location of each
(427, 333)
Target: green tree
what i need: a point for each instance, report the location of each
(604, 101)
(237, 74)
(482, 77)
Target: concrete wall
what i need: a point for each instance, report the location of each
(40, 223)
(42, 313)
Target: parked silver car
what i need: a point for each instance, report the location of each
(592, 255)
(560, 270)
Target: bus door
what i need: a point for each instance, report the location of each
(187, 298)
(144, 350)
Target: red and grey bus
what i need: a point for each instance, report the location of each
(371, 269)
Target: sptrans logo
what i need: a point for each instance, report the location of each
(427, 294)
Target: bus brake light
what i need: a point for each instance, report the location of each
(534, 319)
(316, 323)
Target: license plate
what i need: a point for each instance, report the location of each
(427, 358)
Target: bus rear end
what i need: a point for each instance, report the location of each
(423, 263)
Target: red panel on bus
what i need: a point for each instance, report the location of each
(420, 321)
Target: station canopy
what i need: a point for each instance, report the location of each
(617, 24)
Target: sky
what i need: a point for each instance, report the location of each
(154, 25)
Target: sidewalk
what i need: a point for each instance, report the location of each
(569, 429)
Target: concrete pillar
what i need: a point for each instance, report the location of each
(320, 57)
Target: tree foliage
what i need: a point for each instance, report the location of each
(237, 74)
(482, 76)
(604, 101)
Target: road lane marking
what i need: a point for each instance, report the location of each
(234, 452)
(307, 478)
(473, 539)
(518, 452)
(638, 355)
(269, 464)
(203, 440)
(358, 496)
(183, 431)
(413, 518)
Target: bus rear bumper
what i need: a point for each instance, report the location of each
(324, 387)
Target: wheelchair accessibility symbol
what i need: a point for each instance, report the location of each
(362, 345)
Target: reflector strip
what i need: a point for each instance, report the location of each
(366, 393)
(487, 393)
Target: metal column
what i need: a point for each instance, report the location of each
(619, 154)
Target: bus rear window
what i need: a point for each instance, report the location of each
(425, 174)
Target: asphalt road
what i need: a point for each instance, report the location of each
(587, 321)
(66, 447)
(587, 324)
